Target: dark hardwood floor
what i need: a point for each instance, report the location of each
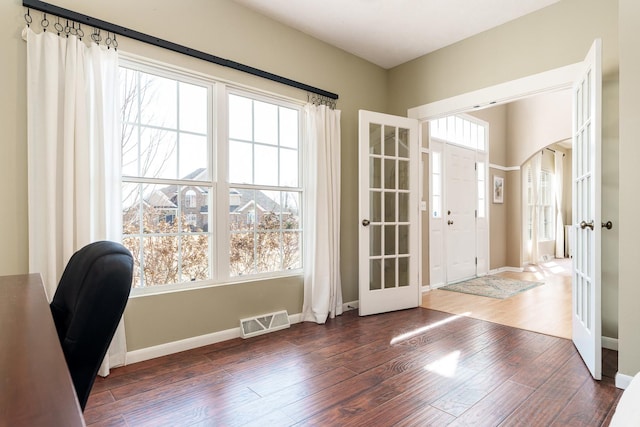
(415, 367)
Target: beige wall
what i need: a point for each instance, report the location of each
(629, 175)
(225, 29)
(537, 122)
(555, 36)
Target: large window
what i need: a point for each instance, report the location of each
(183, 220)
(545, 206)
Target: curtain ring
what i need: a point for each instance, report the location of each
(44, 22)
(96, 37)
(58, 26)
(79, 32)
(27, 17)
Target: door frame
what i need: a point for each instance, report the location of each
(481, 232)
(553, 80)
(548, 81)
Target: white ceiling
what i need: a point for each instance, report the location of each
(391, 32)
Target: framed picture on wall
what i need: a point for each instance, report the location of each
(498, 189)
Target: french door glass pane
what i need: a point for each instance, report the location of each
(390, 174)
(403, 143)
(375, 134)
(403, 271)
(389, 141)
(375, 241)
(375, 172)
(403, 207)
(389, 239)
(375, 274)
(375, 206)
(389, 206)
(389, 273)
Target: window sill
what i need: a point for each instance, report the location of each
(190, 286)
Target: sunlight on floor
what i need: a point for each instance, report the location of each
(411, 334)
(445, 366)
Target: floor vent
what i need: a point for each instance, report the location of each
(264, 323)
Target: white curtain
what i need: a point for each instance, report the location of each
(322, 287)
(536, 172)
(558, 185)
(73, 155)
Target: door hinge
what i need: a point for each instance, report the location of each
(476, 260)
(475, 165)
(476, 213)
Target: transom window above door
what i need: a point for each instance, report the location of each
(459, 130)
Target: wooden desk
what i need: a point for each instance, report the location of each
(35, 385)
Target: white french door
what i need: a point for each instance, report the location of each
(586, 174)
(388, 208)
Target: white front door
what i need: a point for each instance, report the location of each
(388, 207)
(460, 212)
(587, 93)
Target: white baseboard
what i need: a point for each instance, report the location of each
(622, 380)
(511, 269)
(610, 343)
(148, 353)
(352, 305)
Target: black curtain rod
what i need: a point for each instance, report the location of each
(117, 29)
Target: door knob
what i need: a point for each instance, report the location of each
(608, 225)
(450, 222)
(365, 222)
(585, 224)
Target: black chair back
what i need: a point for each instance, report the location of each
(87, 307)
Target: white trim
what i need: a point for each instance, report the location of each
(425, 289)
(166, 349)
(511, 269)
(610, 343)
(504, 168)
(424, 150)
(622, 380)
(556, 79)
(352, 305)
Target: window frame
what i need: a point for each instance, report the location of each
(262, 97)
(218, 164)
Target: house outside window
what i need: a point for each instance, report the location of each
(185, 224)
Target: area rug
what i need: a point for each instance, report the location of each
(492, 286)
